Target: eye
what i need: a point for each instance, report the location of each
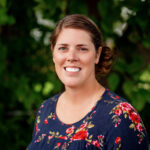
(62, 48)
(83, 49)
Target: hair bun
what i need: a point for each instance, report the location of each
(105, 61)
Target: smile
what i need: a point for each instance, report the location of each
(71, 69)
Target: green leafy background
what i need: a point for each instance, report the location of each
(27, 75)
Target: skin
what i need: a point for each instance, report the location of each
(74, 56)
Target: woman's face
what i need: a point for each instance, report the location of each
(75, 57)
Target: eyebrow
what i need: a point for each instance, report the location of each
(82, 45)
(64, 44)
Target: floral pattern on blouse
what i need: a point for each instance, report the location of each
(118, 142)
(74, 134)
(90, 131)
(71, 133)
(129, 112)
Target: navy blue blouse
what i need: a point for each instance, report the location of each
(113, 124)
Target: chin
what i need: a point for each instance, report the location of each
(72, 84)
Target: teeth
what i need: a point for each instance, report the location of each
(72, 69)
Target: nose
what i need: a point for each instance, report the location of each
(72, 55)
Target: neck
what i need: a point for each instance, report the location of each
(77, 95)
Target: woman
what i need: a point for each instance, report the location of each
(85, 115)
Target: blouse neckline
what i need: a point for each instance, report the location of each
(81, 120)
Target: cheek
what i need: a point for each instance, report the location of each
(58, 59)
(89, 60)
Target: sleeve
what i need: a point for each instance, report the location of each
(127, 131)
(38, 120)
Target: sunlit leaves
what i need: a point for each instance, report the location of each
(3, 3)
(145, 76)
(48, 87)
(37, 87)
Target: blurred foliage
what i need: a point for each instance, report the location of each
(26, 68)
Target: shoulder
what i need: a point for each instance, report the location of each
(47, 108)
(125, 127)
(113, 103)
(112, 98)
(48, 104)
(121, 111)
(110, 101)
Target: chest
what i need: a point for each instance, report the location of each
(79, 136)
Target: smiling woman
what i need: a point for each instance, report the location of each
(75, 57)
(86, 115)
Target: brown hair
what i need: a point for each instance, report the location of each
(78, 21)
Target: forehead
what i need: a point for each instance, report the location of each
(73, 35)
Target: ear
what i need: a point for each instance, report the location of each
(98, 54)
(53, 60)
(53, 57)
(52, 51)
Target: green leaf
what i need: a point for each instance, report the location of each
(128, 88)
(48, 87)
(121, 65)
(139, 99)
(3, 3)
(145, 76)
(37, 87)
(113, 81)
(5, 18)
(135, 65)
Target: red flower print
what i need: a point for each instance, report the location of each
(50, 137)
(101, 136)
(117, 97)
(43, 134)
(63, 137)
(118, 112)
(140, 140)
(36, 128)
(134, 117)
(118, 140)
(116, 125)
(95, 143)
(64, 146)
(139, 127)
(129, 112)
(125, 106)
(93, 112)
(93, 108)
(83, 126)
(80, 135)
(46, 121)
(54, 117)
(119, 120)
(58, 144)
(70, 130)
(42, 106)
